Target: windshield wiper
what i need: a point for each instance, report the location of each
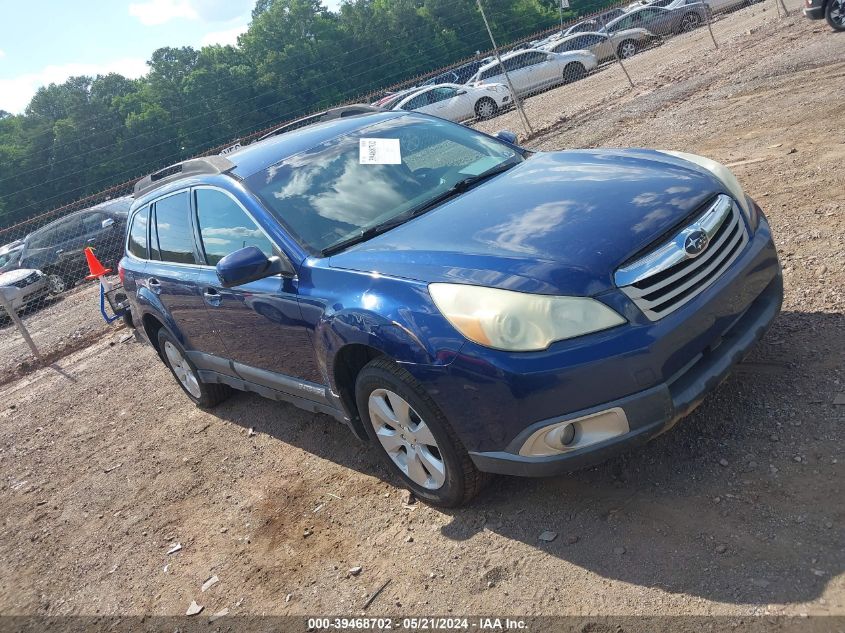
(459, 187)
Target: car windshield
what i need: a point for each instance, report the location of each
(353, 183)
(9, 256)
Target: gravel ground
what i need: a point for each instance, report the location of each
(58, 326)
(105, 466)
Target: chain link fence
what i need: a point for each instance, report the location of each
(559, 75)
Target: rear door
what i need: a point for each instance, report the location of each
(68, 243)
(260, 323)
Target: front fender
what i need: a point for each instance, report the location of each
(393, 316)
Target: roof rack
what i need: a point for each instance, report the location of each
(340, 112)
(192, 167)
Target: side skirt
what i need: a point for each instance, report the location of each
(272, 394)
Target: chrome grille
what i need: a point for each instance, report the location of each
(662, 281)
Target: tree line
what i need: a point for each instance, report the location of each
(88, 133)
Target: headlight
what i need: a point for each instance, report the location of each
(727, 178)
(516, 321)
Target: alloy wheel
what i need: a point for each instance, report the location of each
(184, 372)
(56, 284)
(628, 49)
(407, 439)
(837, 12)
(486, 109)
(690, 21)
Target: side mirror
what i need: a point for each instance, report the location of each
(250, 264)
(507, 136)
(107, 223)
(460, 92)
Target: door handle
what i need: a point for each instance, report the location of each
(154, 285)
(212, 297)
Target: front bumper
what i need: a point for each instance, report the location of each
(652, 411)
(655, 371)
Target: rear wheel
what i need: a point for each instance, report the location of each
(486, 108)
(627, 49)
(201, 393)
(690, 21)
(573, 72)
(414, 437)
(835, 14)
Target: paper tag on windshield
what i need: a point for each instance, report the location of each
(379, 151)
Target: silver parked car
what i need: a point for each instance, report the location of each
(625, 43)
(533, 70)
(662, 20)
(22, 287)
(10, 254)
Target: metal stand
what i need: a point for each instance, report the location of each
(516, 100)
(13, 314)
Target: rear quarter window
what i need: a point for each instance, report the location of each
(137, 244)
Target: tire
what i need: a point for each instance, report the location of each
(383, 390)
(627, 49)
(56, 283)
(690, 21)
(202, 394)
(834, 13)
(573, 72)
(486, 108)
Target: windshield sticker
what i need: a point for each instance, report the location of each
(379, 151)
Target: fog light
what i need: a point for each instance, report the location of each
(569, 435)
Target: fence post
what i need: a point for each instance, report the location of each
(13, 314)
(709, 28)
(517, 101)
(619, 59)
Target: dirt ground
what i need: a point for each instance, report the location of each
(739, 510)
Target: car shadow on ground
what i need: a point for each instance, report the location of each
(740, 503)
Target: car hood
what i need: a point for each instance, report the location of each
(13, 276)
(558, 223)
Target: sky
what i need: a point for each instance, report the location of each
(47, 41)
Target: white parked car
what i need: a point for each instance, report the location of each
(458, 103)
(532, 70)
(21, 287)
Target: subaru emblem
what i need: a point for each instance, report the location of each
(696, 243)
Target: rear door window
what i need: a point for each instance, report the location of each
(225, 227)
(137, 244)
(173, 229)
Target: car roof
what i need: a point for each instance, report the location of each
(509, 55)
(413, 95)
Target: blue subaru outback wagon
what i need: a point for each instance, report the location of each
(468, 306)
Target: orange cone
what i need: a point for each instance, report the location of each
(94, 265)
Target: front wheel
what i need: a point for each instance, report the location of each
(56, 284)
(486, 108)
(573, 72)
(202, 394)
(413, 436)
(690, 21)
(835, 14)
